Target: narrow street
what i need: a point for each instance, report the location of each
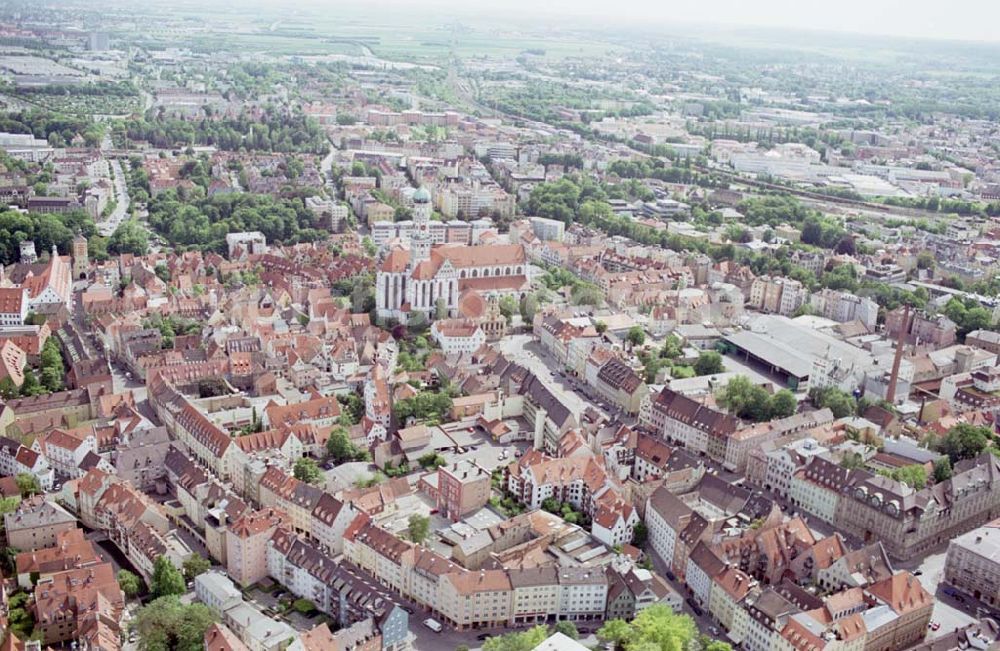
(121, 211)
(949, 612)
(704, 621)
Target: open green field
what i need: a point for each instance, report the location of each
(76, 104)
(414, 38)
(273, 44)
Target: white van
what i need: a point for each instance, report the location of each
(433, 625)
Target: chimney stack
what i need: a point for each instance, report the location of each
(890, 394)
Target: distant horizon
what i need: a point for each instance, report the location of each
(972, 21)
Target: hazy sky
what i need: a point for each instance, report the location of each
(949, 19)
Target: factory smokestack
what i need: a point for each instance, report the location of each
(890, 394)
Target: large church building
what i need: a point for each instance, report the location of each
(415, 279)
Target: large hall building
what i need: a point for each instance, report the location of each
(415, 279)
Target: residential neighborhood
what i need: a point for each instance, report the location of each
(335, 330)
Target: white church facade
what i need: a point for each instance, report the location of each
(415, 279)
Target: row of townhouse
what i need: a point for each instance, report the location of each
(750, 584)
(338, 589)
(36, 523)
(206, 506)
(488, 598)
(80, 606)
(738, 447)
(547, 415)
(686, 422)
(675, 528)
(238, 535)
(139, 527)
(296, 430)
(911, 522)
(724, 438)
(776, 295)
(211, 445)
(310, 511)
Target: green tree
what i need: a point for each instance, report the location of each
(130, 584)
(663, 629)
(717, 645)
(28, 484)
(19, 615)
(418, 526)
(617, 632)
(587, 294)
(681, 371)
(166, 624)
(31, 386)
(852, 461)
(942, 469)
(425, 406)
(709, 363)
(8, 505)
(672, 348)
(567, 628)
(418, 322)
(195, 565)
(964, 441)
(914, 475)
(432, 460)
(600, 327)
(167, 580)
(782, 404)
(8, 390)
(925, 260)
(129, 237)
(306, 470)
(745, 399)
(639, 535)
(340, 448)
(521, 641)
(529, 306)
(8, 555)
(52, 379)
(840, 403)
(508, 307)
(53, 369)
(636, 336)
(353, 408)
(440, 309)
(369, 246)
